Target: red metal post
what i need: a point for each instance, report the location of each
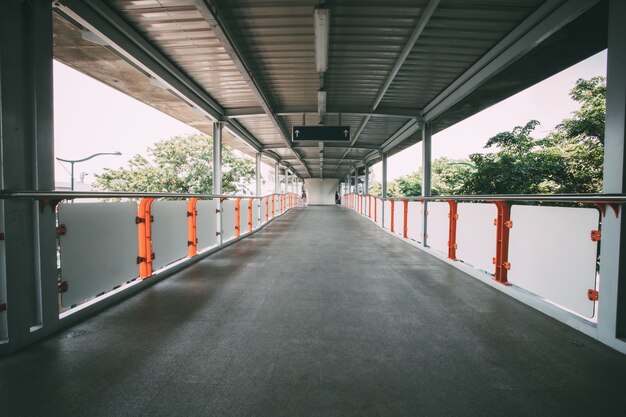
(392, 215)
(406, 217)
(144, 235)
(192, 239)
(453, 216)
(238, 217)
(503, 225)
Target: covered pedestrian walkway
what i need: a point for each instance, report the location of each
(320, 313)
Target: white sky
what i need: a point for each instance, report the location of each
(91, 117)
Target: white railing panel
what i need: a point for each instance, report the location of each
(228, 219)
(99, 250)
(552, 255)
(414, 221)
(398, 218)
(206, 224)
(276, 205)
(169, 232)
(244, 214)
(438, 226)
(4, 334)
(476, 235)
(387, 217)
(379, 212)
(263, 209)
(255, 213)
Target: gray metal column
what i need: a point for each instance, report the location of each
(426, 175)
(276, 179)
(217, 174)
(217, 157)
(258, 174)
(356, 180)
(612, 304)
(28, 279)
(384, 188)
(366, 183)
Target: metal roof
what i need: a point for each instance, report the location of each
(392, 65)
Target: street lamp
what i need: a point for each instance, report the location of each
(73, 161)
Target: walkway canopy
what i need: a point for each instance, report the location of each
(386, 68)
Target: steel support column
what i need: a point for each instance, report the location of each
(356, 180)
(258, 174)
(276, 179)
(217, 173)
(366, 182)
(612, 299)
(426, 175)
(384, 187)
(28, 274)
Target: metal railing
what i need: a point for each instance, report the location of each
(497, 235)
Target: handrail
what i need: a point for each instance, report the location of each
(63, 195)
(569, 198)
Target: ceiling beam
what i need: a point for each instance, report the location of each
(252, 112)
(543, 22)
(328, 145)
(402, 134)
(210, 12)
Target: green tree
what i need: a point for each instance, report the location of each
(569, 160)
(182, 164)
(448, 178)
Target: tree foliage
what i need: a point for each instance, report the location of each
(568, 160)
(182, 164)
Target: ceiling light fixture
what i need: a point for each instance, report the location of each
(321, 104)
(321, 19)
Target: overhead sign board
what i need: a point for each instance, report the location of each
(320, 133)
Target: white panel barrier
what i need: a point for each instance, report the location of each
(228, 219)
(387, 217)
(263, 209)
(476, 235)
(379, 212)
(99, 249)
(206, 224)
(169, 232)
(438, 226)
(3, 293)
(276, 205)
(244, 214)
(255, 213)
(552, 255)
(398, 217)
(364, 205)
(414, 221)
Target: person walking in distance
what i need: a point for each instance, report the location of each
(303, 196)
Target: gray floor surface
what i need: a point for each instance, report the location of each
(319, 314)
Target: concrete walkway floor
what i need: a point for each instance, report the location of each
(319, 314)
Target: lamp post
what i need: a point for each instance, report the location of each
(73, 161)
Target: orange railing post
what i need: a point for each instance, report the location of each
(267, 209)
(238, 217)
(273, 203)
(503, 225)
(375, 210)
(453, 216)
(250, 201)
(192, 239)
(406, 217)
(144, 237)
